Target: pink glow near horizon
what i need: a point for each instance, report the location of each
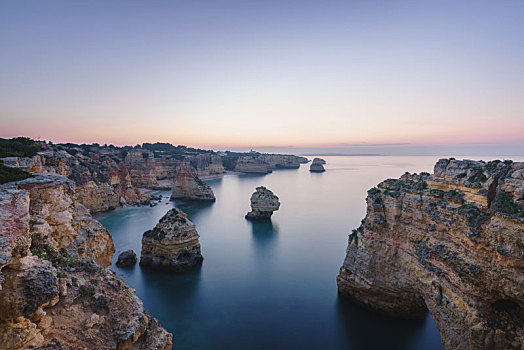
(351, 74)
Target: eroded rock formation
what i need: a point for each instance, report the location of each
(53, 295)
(317, 166)
(172, 244)
(452, 243)
(263, 204)
(187, 185)
(252, 164)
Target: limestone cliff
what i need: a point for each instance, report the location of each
(263, 204)
(102, 182)
(53, 294)
(172, 244)
(451, 243)
(187, 185)
(252, 164)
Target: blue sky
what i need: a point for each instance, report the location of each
(287, 74)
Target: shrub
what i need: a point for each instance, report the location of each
(8, 174)
(18, 147)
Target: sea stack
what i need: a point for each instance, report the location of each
(172, 244)
(317, 166)
(127, 258)
(263, 204)
(187, 185)
(451, 243)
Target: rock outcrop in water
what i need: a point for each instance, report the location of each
(126, 258)
(263, 204)
(187, 185)
(451, 243)
(317, 166)
(53, 295)
(172, 244)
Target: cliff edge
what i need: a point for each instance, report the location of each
(451, 243)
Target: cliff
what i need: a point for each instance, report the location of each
(451, 243)
(187, 185)
(53, 293)
(172, 244)
(102, 182)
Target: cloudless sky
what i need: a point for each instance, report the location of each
(359, 75)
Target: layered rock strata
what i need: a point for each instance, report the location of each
(188, 186)
(263, 204)
(253, 165)
(172, 244)
(317, 166)
(53, 295)
(451, 243)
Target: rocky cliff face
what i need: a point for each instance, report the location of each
(102, 182)
(141, 168)
(172, 244)
(254, 165)
(187, 185)
(451, 243)
(52, 293)
(207, 164)
(263, 204)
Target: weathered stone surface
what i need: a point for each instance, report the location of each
(66, 223)
(53, 296)
(207, 164)
(317, 166)
(172, 244)
(188, 186)
(263, 204)
(448, 243)
(126, 258)
(252, 164)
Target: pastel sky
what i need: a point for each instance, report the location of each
(239, 74)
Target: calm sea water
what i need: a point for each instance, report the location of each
(271, 285)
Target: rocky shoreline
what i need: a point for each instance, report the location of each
(55, 289)
(451, 243)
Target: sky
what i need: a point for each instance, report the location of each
(399, 77)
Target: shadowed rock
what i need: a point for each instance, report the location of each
(187, 185)
(127, 258)
(317, 166)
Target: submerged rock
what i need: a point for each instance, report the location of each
(263, 204)
(187, 185)
(451, 243)
(317, 166)
(127, 258)
(172, 244)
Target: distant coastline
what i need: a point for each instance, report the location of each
(340, 155)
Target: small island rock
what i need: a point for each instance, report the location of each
(317, 166)
(127, 258)
(172, 244)
(263, 204)
(188, 185)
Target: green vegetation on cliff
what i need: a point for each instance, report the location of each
(8, 174)
(18, 147)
